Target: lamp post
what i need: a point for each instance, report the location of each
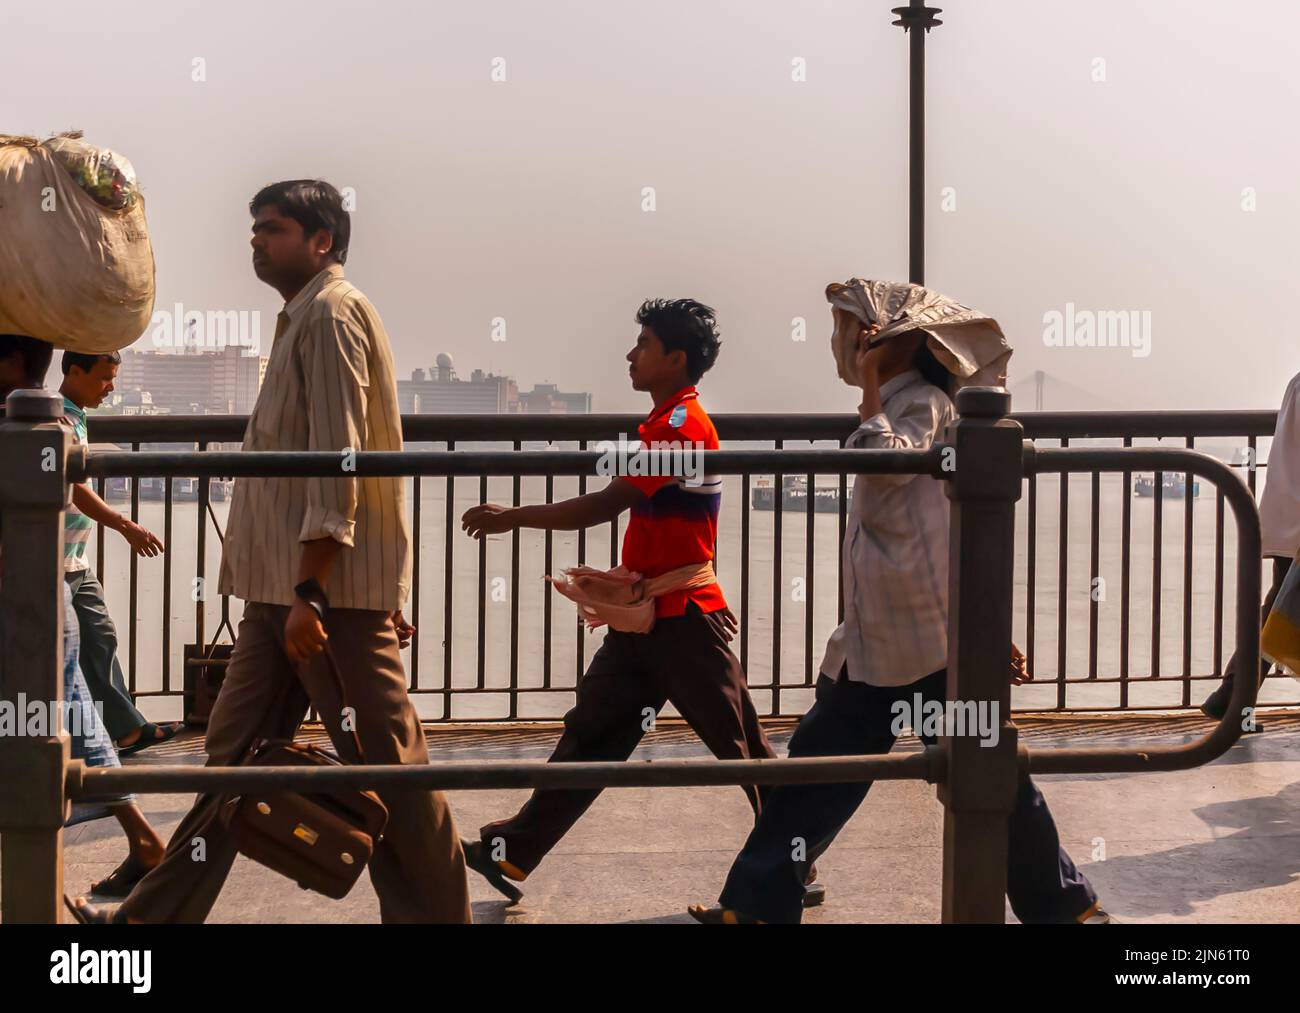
(917, 16)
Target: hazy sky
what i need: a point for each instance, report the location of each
(1099, 152)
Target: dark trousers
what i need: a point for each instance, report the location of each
(799, 822)
(99, 662)
(684, 660)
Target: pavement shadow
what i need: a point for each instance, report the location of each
(1261, 850)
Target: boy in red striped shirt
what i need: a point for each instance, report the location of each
(684, 659)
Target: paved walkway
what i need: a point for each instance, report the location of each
(1220, 843)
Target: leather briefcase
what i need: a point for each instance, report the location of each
(321, 841)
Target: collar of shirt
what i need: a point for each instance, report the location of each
(892, 386)
(685, 394)
(71, 410)
(312, 289)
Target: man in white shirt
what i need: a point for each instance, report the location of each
(891, 647)
(1279, 521)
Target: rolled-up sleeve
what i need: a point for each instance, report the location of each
(915, 428)
(334, 358)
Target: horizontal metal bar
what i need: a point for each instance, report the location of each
(730, 426)
(927, 765)
(1244, 691)
(330, 464)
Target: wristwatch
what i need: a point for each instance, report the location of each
(314, 595)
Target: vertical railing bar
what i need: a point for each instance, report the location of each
(167, 587)
(808, 581)
(1062, 578)
(839, 554)
(516, 489)
(201, 560)
(1031, 570)
(448, 581)
(414, 617)
(1189, 501)
(1157, 554)
(481, 681)
(99, 532)
(1218, 582)
(779, 508)
(580, 661)
(744, 574)
(1125, 567)
(134, 592)
(1095, 573)
(546, 599)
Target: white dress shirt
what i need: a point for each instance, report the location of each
(1279, 505)
(895, 628)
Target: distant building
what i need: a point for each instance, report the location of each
(128, 402)
(440, 391)
(547, 399)
(221, 381)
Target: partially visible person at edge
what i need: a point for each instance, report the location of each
(87, 380)
(1279, 521)
(324, 567)
(891, 647)
(24, 361)
(684, 659)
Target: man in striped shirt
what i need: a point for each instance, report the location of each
(324, 566)
(891, 650)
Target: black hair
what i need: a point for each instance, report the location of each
(86, 360)
(684, 325)
(35, 354)
(313, 204)
(925, 363)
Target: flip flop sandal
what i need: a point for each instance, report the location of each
(151, 735)
(720, 916)
(121, 880)
(93, 914)
(814, 894)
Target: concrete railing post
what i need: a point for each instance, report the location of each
(980, 789)
(33, 755)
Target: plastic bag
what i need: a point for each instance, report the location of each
(105, 175)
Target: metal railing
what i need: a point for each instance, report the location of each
(984, 460)
(1080, 662)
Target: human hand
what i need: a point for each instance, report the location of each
(405, 631)
(304, 633)
(487, 519)
(143, 542)
(1020, 673)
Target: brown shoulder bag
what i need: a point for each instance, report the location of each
(321, 841)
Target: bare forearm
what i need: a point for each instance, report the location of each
(85, 500)
(570, 515)
(317, 559)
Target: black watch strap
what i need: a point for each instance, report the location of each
(314, 595)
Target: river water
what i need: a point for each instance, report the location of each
(795, 602)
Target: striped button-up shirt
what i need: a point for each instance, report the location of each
(329, 385)
(895, 627)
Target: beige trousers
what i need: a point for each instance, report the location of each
(418, 869)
